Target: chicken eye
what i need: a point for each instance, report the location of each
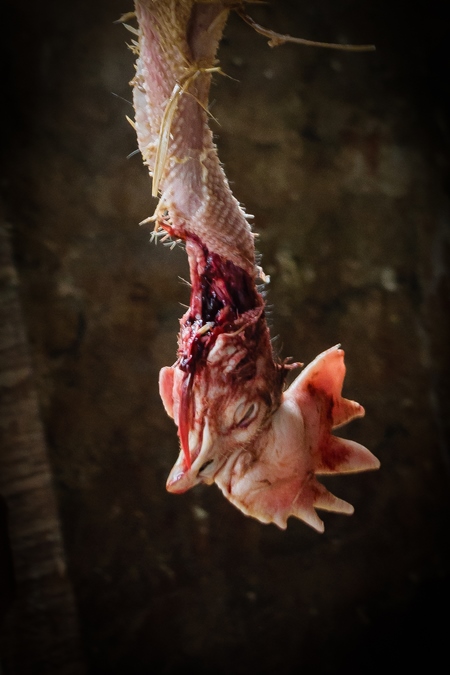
(244, 416)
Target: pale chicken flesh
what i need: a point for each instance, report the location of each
(237, 426)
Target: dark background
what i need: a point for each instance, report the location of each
(343, 158)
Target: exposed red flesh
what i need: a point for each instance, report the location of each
(224, 301)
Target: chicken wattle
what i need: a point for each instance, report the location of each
(261, 445)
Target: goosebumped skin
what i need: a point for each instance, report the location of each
(177, 47)
(263, 447)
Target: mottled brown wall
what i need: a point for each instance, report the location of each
(343, 159)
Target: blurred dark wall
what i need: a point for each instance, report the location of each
(344, 161)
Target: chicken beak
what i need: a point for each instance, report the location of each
(180, 478)
(183, 477)
(184, 474)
